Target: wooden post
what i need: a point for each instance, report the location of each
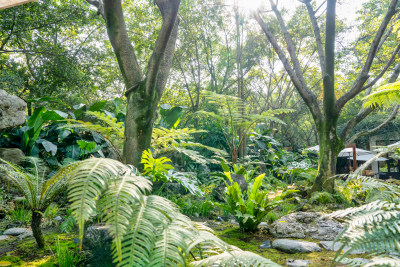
(354, 156)
(10, 3)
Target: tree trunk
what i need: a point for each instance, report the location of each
(139, 125)
(329, 147)
(37, 232)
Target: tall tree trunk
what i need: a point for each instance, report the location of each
(37, 231)
(143, 91)
(329, 147)
(140, 116)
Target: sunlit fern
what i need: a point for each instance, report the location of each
(147, 230)
(164, 141)
(387, 94)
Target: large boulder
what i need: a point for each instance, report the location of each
(13, 155)
(12, 110)
(306, 225)
(295, 246)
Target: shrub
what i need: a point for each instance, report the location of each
(252, 206)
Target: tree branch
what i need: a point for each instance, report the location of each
(388, 64)
(121, 43)
(357, 86)
(317, 34)
(169, 12)
(304, 92)
(383, 124)
(99, 5)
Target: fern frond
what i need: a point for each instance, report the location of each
(384, 261)
(86, 184)
(385, 95)
(146, 222)
(236, 257)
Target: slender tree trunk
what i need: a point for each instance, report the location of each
(37, 231)
(329, 147)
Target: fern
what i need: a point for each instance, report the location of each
(387, 94)
(164, 141)
(147, 230)
(38, 191)
(374, 227)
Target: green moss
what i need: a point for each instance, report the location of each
(26, 253)
(251, 242)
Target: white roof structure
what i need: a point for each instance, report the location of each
(10, 3)
(361, 154)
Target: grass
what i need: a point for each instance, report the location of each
(25, 252)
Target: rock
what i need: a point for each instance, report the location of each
(13, 155)
(361, 260)
(58, 218)
(295, 246)
(12, 110)
(263, 224)
(330, 245)
(97, 244)
(297, 263)
(233, 221)
(4, 237)
(25, 235)
(15, 231)
(236, 178)
(265, 245)
(305, 225)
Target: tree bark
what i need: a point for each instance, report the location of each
(144, 92)
(37, 231)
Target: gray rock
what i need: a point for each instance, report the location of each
(265, 245)
(12, 110)
(263, 224)
(233, 221)
(15, 231)
(330, 245)
(25, 235)
(58, 218)
(13, 155)
(305, 225)
(295, 246)
(4, 237)
(95, 236)
(97, 245)
(297, 263)
(236, 178)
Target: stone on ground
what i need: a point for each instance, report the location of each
(265, 245)
(12, 110)
(306, 225)
(330, 245)
(295, 246)
(4, 237)
(28, 233)
(297, 263)
(15, 231)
